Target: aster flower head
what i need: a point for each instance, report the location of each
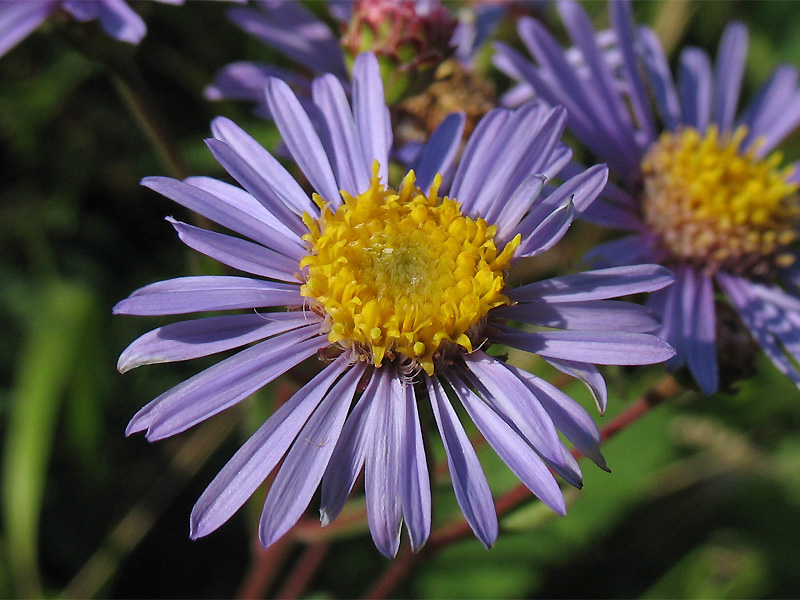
(700, 187)
(19, 18)
(402, 290)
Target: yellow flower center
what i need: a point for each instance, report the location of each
(717, 206)
(403, 275)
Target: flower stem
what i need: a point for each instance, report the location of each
(303, 572)
(130, 86)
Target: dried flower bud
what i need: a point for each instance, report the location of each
(409, 38)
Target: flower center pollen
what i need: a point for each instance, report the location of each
(403, 275)
(717, 206)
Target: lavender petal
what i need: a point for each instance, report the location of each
(371, 114)
(207, 292)
(237, 253)
(415, 485)
(595, 285)
(590, 377)
(265, 167)
(303, 142)
(251, 464)
(469, 482)
(599, 315)
(598, 347)
(304, 465)
(202, 337)
(514, 451)
(344, 145)
(224, 384)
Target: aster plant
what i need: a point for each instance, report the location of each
(402, 291)
(700, 187)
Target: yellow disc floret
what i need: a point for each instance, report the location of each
(403, 275)
(718, 206)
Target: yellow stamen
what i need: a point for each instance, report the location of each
(718, 206)
(403, 274)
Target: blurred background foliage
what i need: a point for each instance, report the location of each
(704, 496)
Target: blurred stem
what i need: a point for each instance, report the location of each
(131, 87)
(664, 390)
(137, 523)
(264, 568)
(303, 572)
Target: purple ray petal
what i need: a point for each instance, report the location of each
(303, 142)
(750, 308)
(344, 145)
(382, 465)
(694, 83)
(207, 292)
(514, 451)
(622, 22)
(699, 329)
(19, 19)
(595, 285)
(508, 221)
(236, 197)
(371, 114)
(439, 153)
(415, 485)
(667, 303)
(237, 253)
(247, 81)
(769, 103)
(228, 212)
(728, 73)
(225, 383)
(348, 456)
(265, 167)
(629, 250)
(251, 464)
(600, 315)
(598, 347)
(304, 465)
(120, 21)
(520, 409)
(591, 118)
(543, 154)
(568, 416)
(469, 482)
(252, 180)
(774, 295)
(589, 375)
(532, 134)
(203, 337)
(582, 34)
(473, 165)
(548, 232)
(294, 31)
(782, 125)
(660, 78)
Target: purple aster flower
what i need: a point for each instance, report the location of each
(19, 18)
(703, 194)
(402, 290)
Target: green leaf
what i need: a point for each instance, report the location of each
(54, 341)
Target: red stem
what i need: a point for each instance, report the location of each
(264, 568)
(303, 572)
